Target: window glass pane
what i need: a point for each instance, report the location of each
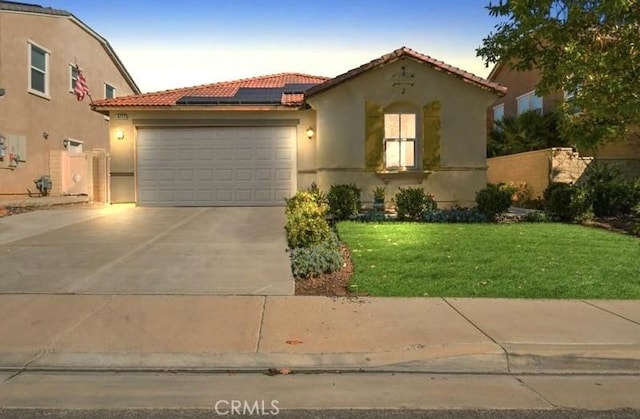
(38, 59)
(37, 80)
(391, 125)
(408, 151)
(408, 126)
(109, 91)
(536, 102)
(74, 77)
(392, 154)
(498, 112)
(523, 104)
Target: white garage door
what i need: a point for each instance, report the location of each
(222, 166)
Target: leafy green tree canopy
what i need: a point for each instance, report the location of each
(590, 48)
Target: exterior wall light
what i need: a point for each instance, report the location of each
(310, 133)
(119, 134)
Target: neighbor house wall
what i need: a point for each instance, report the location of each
(123, 152)
(625, 154)
(60, 115)
(518, 83)
(340, 139)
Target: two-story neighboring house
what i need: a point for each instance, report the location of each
(45, 131)
(521, 97)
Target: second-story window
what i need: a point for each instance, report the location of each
(109, 91)
(38, 70)
(529, 102)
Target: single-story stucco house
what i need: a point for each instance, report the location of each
(404, 119)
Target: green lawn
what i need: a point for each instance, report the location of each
(492, 260)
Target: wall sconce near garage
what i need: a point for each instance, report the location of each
(310, 133)
(119, 134)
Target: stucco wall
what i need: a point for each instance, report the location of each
(61, 115)
(123, 152)
(340, 141)
(538, 168)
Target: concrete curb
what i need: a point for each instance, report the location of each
(547, 359)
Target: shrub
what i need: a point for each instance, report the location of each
(610, 192)
(557, 198)
(373, 217)
(412, 203)
(493, 200)
(317, 259)
(320, 196)
(535, 217)
(521, 192)
(344, 201)
(306, 224)
(455, 215)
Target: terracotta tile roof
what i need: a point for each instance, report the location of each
(224, 89)
(408, 52)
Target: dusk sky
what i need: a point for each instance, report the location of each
(178, 44)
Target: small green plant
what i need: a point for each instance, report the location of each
(494, 200)
(306, 224)
(412, 203)
(378, 193)
(317, 259)
(344, 201)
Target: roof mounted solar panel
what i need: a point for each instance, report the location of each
(297, 88)
(259, 95)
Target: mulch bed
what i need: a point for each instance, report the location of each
(335, 284)
(7, 211)
(622, 224)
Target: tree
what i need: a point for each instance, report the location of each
(590, 48)
(526, 132)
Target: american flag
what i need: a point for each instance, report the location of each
(81, 90)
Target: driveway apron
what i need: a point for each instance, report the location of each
(186, 251)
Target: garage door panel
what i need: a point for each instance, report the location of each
(223, 166)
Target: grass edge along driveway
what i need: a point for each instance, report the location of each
(522, 260)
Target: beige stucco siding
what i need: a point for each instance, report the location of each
(60, 115)
(123, 152)
(341, 130)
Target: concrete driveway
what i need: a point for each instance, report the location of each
(220, 251)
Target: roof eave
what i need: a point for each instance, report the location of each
(389, 59)
(182, 108)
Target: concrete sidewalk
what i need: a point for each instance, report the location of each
(254, 333)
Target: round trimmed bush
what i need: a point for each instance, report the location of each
(493, 200)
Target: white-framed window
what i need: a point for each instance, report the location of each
(498, 112)
(109, 91)
(73, 77)
(399, 140)
(529, 102)
(38, 70)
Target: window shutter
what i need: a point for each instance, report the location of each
(374, 136)
(431, 135)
